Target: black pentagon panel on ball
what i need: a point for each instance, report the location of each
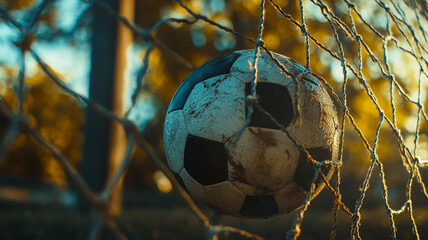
(214, 67)
(259, 206)
(305, 171)
(205, 160)
(274, 99)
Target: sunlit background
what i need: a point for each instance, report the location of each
(62, 39)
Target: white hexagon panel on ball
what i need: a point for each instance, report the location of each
(215, 109)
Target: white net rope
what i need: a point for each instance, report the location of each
(403, 28)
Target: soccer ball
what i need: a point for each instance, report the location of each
(265, 170)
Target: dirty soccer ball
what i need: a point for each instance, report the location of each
(261, 172)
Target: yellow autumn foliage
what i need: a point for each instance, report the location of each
(58, 117)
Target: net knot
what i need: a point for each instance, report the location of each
(417, 159)
(359, 38)
(24, 122)
(324, 9)
(251, 100)
(259, 43)
(388, 38)
(303, 29)
(25, 42)
(129, 125)
(351, 5)
(147, 36)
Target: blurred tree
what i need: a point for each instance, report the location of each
(58, 117)
(16, 4)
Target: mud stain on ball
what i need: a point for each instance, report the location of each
(266, 137)
(237, 172)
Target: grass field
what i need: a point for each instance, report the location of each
(156, 216)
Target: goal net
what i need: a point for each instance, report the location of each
(371, 56)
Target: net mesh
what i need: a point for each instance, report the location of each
(365, 51)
